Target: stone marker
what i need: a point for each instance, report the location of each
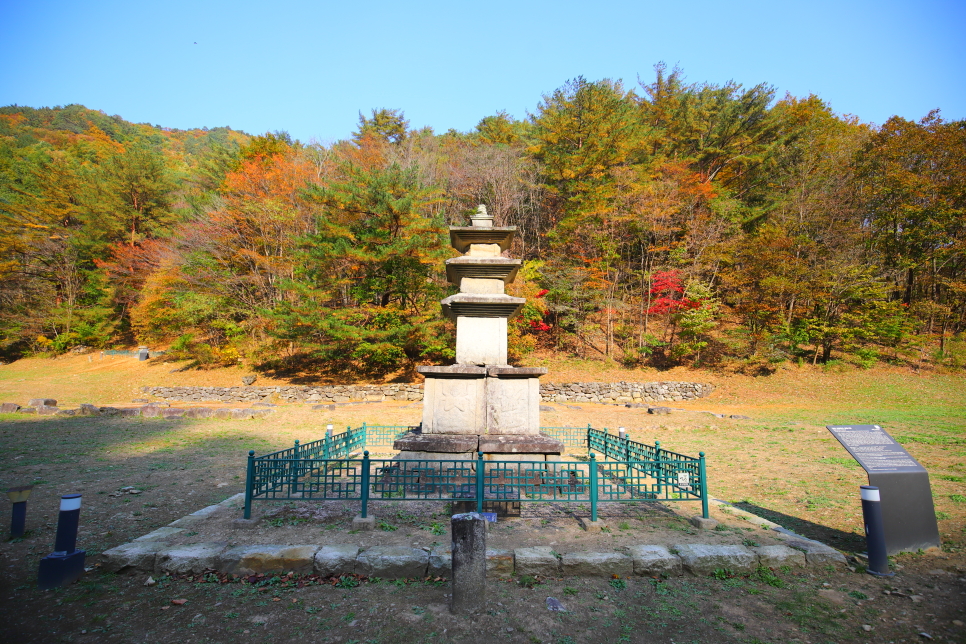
(469, 562)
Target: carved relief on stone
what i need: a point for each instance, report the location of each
(509, 407)
(455, 406)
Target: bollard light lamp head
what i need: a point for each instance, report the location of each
(20, 493)
(70, 502)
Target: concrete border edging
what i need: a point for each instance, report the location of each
(151, 553)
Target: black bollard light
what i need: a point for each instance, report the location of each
(18, 517)
(874, 532)
(65, 563)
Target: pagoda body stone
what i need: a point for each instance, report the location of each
(481, 403)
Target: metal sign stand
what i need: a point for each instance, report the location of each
(908, 515)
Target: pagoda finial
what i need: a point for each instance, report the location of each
(481, 218)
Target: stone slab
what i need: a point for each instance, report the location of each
(499, 563)
(172, 412)
(190, 558)
(538, 560)
(42, 402)
(778, 556)
(160, 534)
(392, 562)
(516, 372)
(334, 560)
(702, 560)
(817, 554)
(46, 410)
(655, 561)
(523, 444)
(437, 443)
(234, 501)
(9, 408)
(199, 412)
(596, 564)
(440, 561)
(472, 306)
(150, 411)
(139, 555)
(250, 560)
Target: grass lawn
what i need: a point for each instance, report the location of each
(782, 463)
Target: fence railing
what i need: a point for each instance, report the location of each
(325, 470)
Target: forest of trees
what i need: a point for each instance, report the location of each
(665, 224)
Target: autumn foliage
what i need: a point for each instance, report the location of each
(670, 223)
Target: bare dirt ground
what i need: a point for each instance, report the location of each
(782, 464)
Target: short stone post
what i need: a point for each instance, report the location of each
(143, 354)
(469, 562)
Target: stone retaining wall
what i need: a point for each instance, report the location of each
(602, 392)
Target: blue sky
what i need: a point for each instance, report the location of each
(311, 67)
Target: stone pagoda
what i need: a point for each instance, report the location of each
(480, 403)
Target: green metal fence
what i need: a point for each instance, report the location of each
(570, 436)
(323, 470)
(385, 435)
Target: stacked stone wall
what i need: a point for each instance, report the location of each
(576, 392)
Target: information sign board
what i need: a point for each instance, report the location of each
(908, 514)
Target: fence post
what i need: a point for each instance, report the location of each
(658, 468)
(293, 467)
(704, 485)
(479, 481)
(588, 438)
(249, 483)
(593, 487)
(365, 484)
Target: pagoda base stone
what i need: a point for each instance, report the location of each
(447, 443)
(517, 444)
(461, 446)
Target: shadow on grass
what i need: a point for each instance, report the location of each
(846, 541)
